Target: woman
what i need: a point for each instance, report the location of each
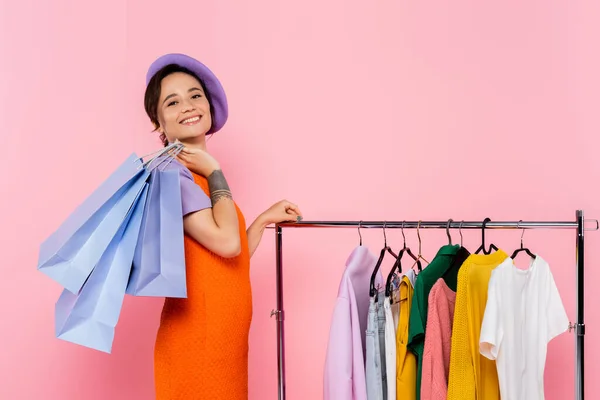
(202, 343)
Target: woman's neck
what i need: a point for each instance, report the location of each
(196, 142)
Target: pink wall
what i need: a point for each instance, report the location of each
(355, 110)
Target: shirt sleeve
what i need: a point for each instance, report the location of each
(193, 198)
(491, 326)
(558, 321)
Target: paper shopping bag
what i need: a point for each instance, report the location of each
(159, 261)
(69, 254)
(89, 318)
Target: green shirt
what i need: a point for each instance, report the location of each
(418, 312)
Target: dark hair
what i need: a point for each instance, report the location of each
(152, 95)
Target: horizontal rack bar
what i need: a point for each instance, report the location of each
(438, 224)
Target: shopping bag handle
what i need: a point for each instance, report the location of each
(164, 150)
(168, 159)
(173, 149)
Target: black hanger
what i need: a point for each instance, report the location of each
(386, 249)
(398, 265)
(410, 253)
(450, 276)
(482, 247)
(525, 249)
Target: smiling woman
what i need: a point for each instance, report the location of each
(202, 344)
(170, 81)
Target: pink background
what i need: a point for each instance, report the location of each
(355, 110)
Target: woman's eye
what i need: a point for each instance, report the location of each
(196, 96)
(171, 103)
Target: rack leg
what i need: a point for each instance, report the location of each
(580, 327)
(279, 315)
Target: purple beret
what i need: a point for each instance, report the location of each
(218, 99)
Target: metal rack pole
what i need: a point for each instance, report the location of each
(580, 327)
(279, 315)
(578, 224)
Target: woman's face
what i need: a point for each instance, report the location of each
(183, 109)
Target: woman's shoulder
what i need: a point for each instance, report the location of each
(166, 163)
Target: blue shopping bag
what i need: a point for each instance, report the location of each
(69, 254)
(89, 318)
(159, 261)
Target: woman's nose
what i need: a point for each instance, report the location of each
(187, 107)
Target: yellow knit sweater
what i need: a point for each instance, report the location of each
(406, 361)
(472, 376)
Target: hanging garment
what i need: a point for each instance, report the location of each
(451, 274)
(472, 376)
(390, 350)
(524, 312)
(372, 365)
(375, 343)
(396, 299)
(381, 343)
(344, 372)
(406, 363)
(418, 313)
(392, 313)
(436, 353)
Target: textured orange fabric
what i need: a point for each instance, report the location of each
(201, 350)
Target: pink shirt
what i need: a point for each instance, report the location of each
(436, 355)
(344, 372)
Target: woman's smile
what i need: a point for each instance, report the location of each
(191, 120)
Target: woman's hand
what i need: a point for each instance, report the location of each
(198, 161)
(282, 211)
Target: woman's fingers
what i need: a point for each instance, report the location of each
(294, 211)
(293, 208)
(183, 158)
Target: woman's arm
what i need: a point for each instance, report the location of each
(279, 212)
(255, 232)
(216, 228)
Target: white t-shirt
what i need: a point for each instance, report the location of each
(390, 350)
(523, 313)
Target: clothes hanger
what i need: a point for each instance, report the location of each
(386, 249)
(450, 275)
(398, 264)
(390, 277)
(419, 256)
(410, 253)
(456, 260)
(525, 249)
(359, 235)
(482, 247)
(448, 232)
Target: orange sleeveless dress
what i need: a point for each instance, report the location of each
(201, 350)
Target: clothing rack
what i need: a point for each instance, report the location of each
(577, 224)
